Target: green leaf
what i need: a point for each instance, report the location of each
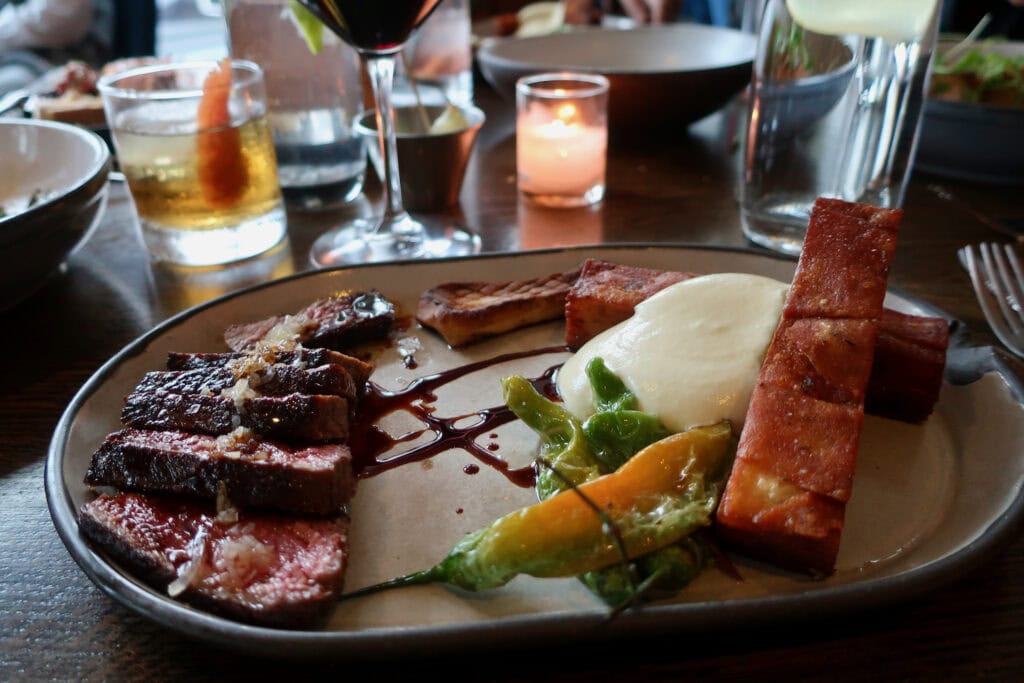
(309, 26)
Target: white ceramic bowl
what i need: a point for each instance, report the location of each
(660, 75)
(68, 167)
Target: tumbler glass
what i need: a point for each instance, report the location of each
(314, 99)
(835, 109)
(194, 144)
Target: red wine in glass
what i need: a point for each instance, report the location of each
(372, 25)
(378, 29)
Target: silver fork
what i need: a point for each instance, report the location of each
(998, 281)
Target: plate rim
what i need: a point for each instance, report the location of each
(846, 598)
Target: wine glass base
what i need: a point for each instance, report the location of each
(354, 243)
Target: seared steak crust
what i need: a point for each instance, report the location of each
(275, 380)
(315, 418)
(335, 322)
(357, 369)
(314, 480)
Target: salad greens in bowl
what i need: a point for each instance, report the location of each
(973, 127)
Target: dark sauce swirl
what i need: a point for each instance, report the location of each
(369, 442)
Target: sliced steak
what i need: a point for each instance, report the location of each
(336, 322)
(300, 357)
(315, 418)
(269, 380)
(256, 473)
(264, 569)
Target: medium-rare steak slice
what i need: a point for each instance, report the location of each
(265, 569)
(910, 352)
(270, 380)
(301, 417)
(299, 357)
(464, 312)
(259, 473)
(336, 322)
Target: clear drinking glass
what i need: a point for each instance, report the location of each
(835, 110)
(314, 100)
(378, 31)
(195, 146)
(439, 57)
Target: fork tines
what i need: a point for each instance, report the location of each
(998, 281)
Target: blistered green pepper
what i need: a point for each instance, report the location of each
(611, 438)
(562, 442)
(660, 497)
(614, 437)
(663, 573)
(609, 391)
(618, 429)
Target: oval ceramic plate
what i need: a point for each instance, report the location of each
(929, 501)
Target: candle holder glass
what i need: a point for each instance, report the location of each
(562, 138)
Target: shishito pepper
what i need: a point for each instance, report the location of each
(618, 429)
(612, 435)
(562, 442)
(661, 496)
(663, 573)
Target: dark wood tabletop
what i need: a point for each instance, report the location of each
(667, 187)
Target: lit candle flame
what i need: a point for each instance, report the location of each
(567, 112)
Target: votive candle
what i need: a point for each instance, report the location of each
(562, 138)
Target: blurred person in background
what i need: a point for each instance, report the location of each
(716, 12)
(37, 35)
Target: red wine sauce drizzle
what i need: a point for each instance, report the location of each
(368, 441)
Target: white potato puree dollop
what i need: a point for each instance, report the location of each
(691, 353)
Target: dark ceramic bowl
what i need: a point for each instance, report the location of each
(975, 142)
(659, 75)
(66, 168)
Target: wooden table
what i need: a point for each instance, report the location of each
(54, 624)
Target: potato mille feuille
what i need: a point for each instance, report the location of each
(785, 500)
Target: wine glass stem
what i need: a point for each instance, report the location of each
(382, 75)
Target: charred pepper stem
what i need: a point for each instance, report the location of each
(658, 498)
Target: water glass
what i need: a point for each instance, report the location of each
(439, 58)
(314, 100)
(835, 110)
(194, 144)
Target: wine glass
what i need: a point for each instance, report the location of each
(378, 29)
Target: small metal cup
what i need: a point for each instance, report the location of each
(431, 167)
